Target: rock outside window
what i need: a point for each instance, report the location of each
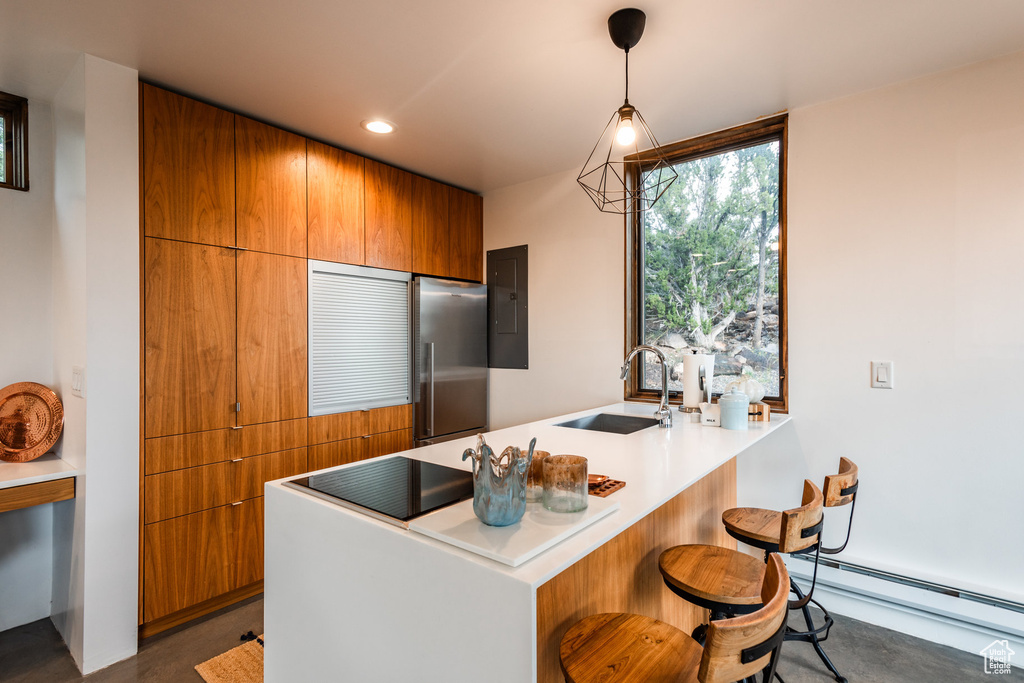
(707, 263)
(14, 134)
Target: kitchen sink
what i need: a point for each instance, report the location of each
(613, 424)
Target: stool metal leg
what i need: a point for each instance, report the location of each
(812, 634)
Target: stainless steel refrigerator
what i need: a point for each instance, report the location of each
(450, 352)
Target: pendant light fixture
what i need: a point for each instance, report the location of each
(606, 176)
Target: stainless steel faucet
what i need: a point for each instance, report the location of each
(664, 414)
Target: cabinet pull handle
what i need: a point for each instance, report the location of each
(238, 503)
(239, 248)
(367, 436)
(237, 460)
(241, 427)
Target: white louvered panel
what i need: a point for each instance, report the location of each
(358, 339)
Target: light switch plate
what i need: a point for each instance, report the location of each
(881, 374)
(78, 381)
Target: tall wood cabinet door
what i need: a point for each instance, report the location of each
(270, 182)
(466, 225)
(272, 360)
(188, 169)
(190, 337)
(429, 227)
(335, 204)
(388, 193)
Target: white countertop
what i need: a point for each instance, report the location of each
(656, 464)
(43, 468)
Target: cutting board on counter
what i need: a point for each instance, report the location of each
(538, 530)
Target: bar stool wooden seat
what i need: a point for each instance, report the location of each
(724, 581)
(727, 582)
(629, 648)
(774, 531)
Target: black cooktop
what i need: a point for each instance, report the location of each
(395, 490)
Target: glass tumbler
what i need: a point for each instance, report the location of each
(535, 477)
(565, 483)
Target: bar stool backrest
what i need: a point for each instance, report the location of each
(841, 488)
(801, 527)
(742, 646)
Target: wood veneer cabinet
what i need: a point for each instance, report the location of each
(188, 152)
(430, 227)
(189, 332)
(270, 188)
(335, 204)
(348, 437)
(388, 196)
(272, 336)
(195, 558)
(466, 221)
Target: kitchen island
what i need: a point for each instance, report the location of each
(348, 597)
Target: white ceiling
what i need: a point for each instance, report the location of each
(488, 94)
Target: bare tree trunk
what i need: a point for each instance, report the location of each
(762, 253)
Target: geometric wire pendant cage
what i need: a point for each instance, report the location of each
(606, 176)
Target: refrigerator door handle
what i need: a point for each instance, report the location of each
(430, 390)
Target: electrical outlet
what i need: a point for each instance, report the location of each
(881, 374)
(78, 381)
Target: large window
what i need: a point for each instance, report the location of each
(14, 138)
(708, 261)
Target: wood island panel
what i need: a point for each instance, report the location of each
(271, 338)
(189, 337)
(335, 204)
(623, 576)
(270, 182)
(188, 169)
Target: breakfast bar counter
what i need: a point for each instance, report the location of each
(349, 597)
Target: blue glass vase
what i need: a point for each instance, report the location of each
(499, 482)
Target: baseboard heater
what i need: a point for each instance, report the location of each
(916, 583)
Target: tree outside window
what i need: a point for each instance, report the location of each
(709, 261)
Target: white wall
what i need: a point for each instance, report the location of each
(69, 348)
(905, 240)
(26, 545)
(96, 313)
(576, 271)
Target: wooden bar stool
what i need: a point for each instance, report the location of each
(768, 530)
(629, 648)
(728, 582)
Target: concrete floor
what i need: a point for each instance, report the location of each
(864, 654)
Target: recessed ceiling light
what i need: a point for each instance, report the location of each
(379, 126)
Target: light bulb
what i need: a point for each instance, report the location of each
(378, 126)
(626, 135)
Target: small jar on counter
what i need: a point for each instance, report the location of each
(734, 406)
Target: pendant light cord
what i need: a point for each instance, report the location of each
(627, 75)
